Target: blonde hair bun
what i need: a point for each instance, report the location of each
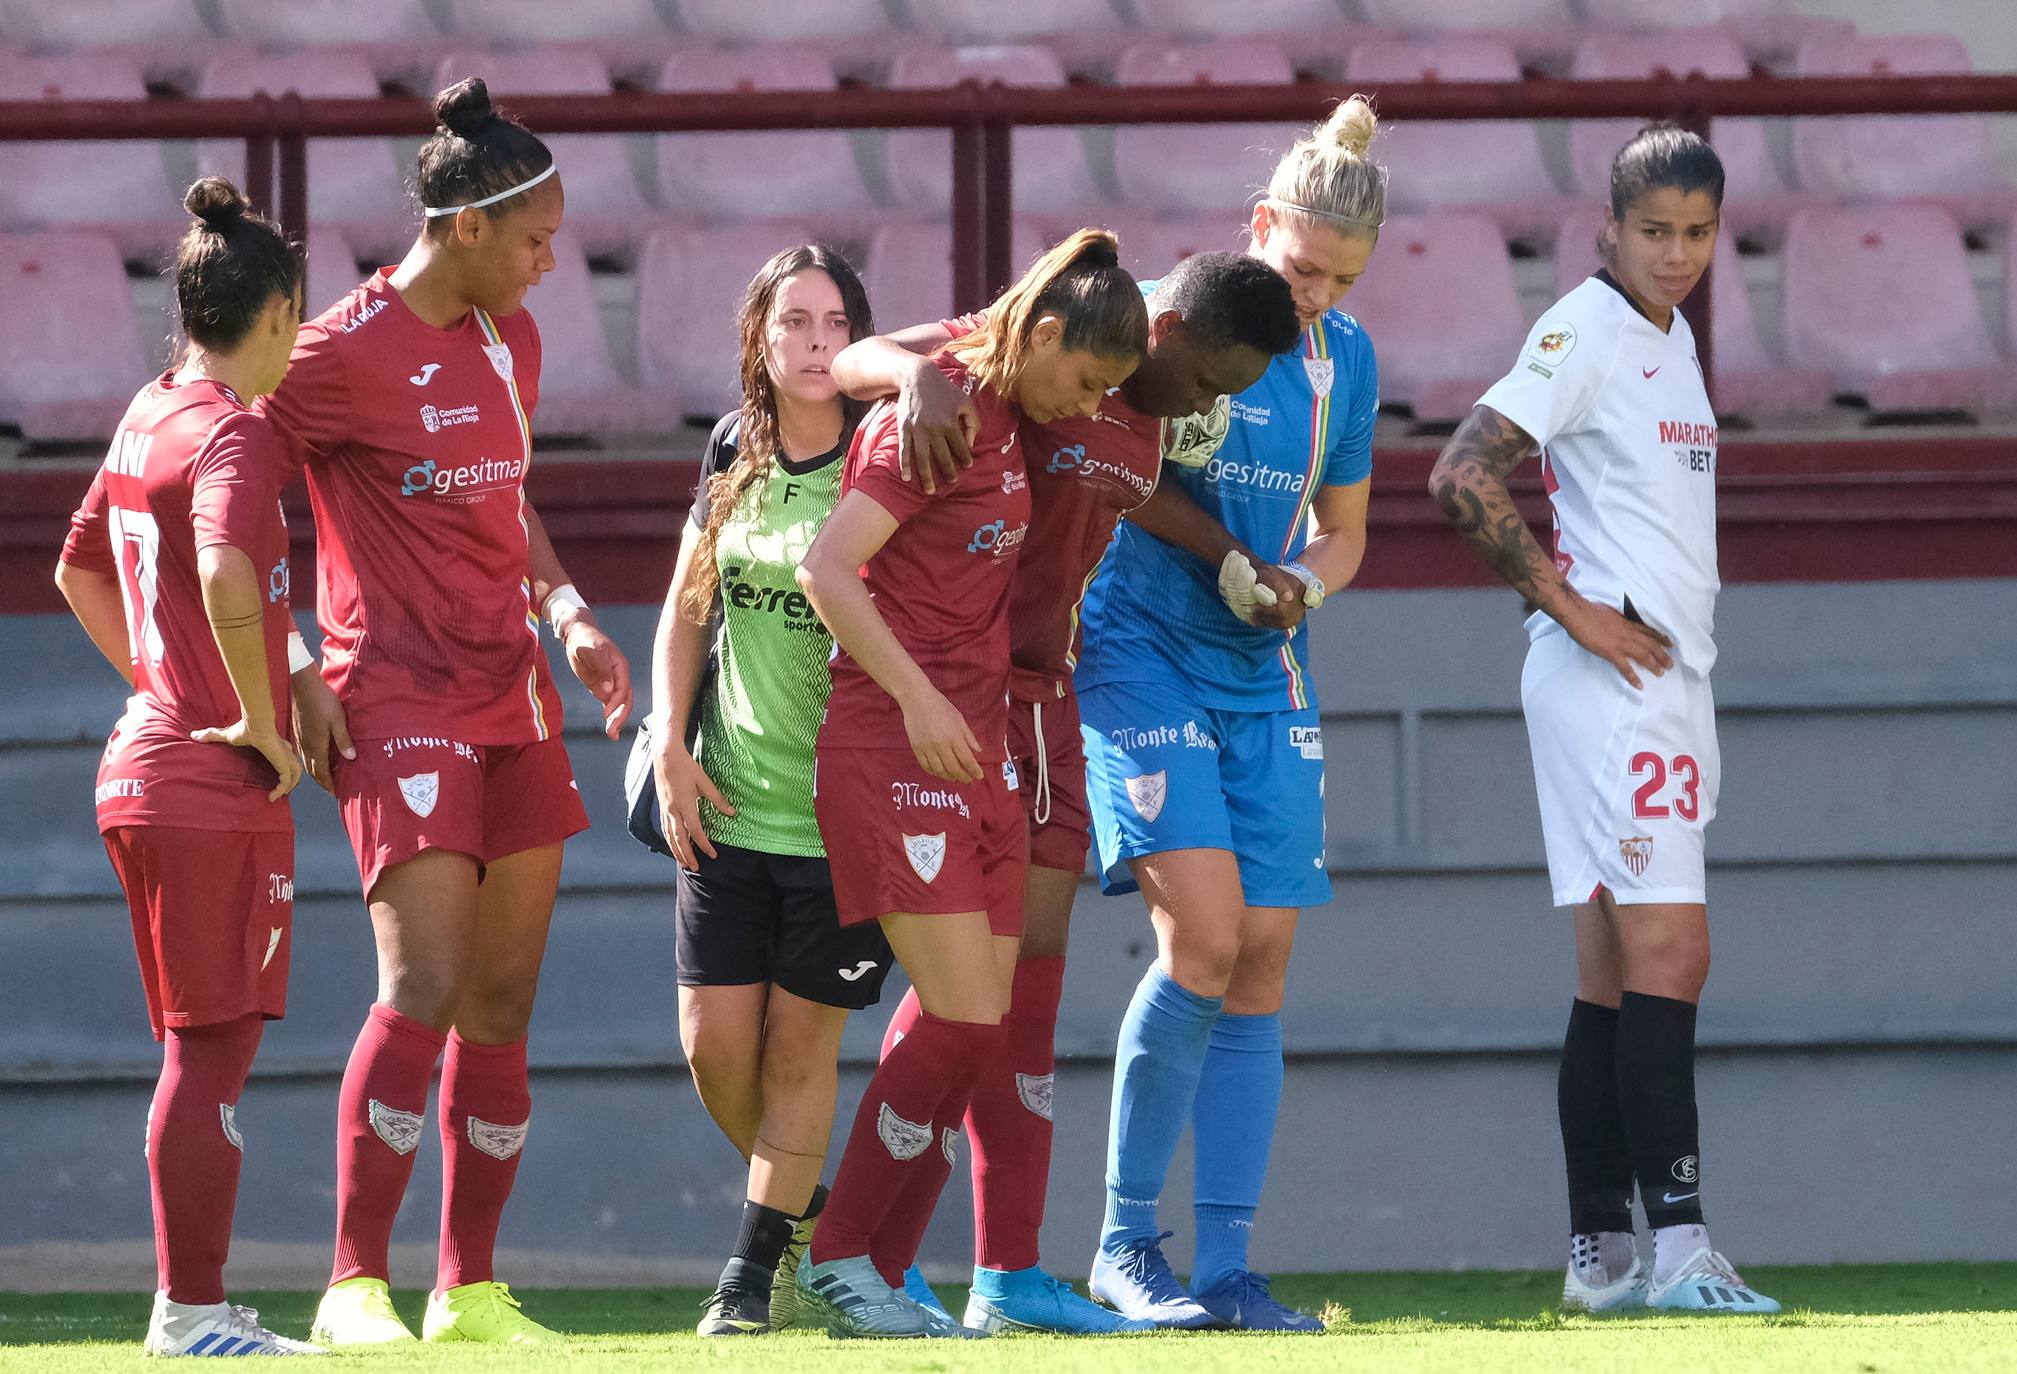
(1352, 126)
(1327, 177)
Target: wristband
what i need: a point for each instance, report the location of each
(563, 603)
(298, 656)
(1313, 586)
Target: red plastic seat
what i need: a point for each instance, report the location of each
(690, 288)
(1194, 167)
(121, 189)
(332, 270)
(908, 268)
(332, 23)
(1883, 299)
(1204, 18)
(70, 357)
(1051, 170)
(581, 392)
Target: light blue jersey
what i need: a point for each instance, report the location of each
(1153, 613)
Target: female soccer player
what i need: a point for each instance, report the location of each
(928, 838)
(767, 973)
(1204, 754)
(1609, 390)
(182, 525)
(1215, 321)
(410, 404)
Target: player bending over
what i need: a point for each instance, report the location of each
(182, 524)
(1619, 711)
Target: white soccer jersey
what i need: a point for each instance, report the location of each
(1628, 451)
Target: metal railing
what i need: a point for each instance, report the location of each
(276, 129)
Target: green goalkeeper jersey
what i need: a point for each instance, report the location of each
(762, 710)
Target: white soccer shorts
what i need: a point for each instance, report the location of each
(1627, 778)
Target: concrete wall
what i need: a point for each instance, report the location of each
(1858, 1084)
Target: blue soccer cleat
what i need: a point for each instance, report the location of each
(1706, 1282)
(1135, 1280)
(919, 1292)
(1032, 1300)
(1242, 1301)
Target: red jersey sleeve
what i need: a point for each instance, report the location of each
(959, 326)
(89, 543)
(233, 489)
(313, 411)
(872, 468)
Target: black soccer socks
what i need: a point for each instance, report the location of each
(1593, 1127)
(1656, 1095)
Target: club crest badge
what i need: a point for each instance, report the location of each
(948, 1143)
(905, 1140)
(1035, 1091)
(1323, 371)
(400, 1130)
(926, 854)
(421, 792)
(499, 1142)
(1637, 852)
(227, 1117)
(500, 359)
(1148, 793)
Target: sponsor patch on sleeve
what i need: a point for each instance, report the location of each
(1557, 341)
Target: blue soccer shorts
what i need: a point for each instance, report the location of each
(1164, 773)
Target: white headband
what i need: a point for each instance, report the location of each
(1373, 224)
(435, 211)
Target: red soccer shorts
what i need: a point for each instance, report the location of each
(899, 839)
(1044, 743)
(213, 920)
(412, 793)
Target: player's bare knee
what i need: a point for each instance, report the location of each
(792, 1071)
(426, 993)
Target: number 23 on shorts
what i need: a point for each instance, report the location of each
(1683, 800)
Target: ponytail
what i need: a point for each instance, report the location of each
(1081, 282)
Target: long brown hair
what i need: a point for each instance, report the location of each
(1082, 282)
(756, 434)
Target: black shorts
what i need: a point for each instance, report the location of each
(750, 917)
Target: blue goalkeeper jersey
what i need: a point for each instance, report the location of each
(1152, 612)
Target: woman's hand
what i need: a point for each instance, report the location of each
(936, 425)
(682, 784)
(601, 667)
(320, 726)
(940, 738)
(271, 747)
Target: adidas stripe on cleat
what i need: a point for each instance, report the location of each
(215, 1328)
(852, 1299)
(1706, 1282)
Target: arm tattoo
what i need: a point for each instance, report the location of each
(1469, 484)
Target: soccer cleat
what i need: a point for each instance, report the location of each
(481, 1312)
(214, 1328)
(1624, 1294)
(919, 1292)
(1032, 1300)
(853, 1300)
(1242, 1302)
(358, 1312)
(1706, 1282)
(1135, 1280)
(786, 1305)
(736, 1308)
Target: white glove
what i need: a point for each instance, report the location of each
(1313, 586)
(1241, 588)
(1189, 441)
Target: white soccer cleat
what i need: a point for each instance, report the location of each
(215, 1328)
(1624, 1294)
(1706, 1282)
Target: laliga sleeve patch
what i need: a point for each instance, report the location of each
(1035, 1090)
(499, 1142)
(1148, 792)
(400, 1130)
(1557, 341)
(905, 1140)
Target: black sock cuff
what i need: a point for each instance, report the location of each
(818, 1203)
(1592, 1013)
(1669, 1012)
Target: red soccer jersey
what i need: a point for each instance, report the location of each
(1084, 475)
(942, 581)
(189, 467)
(416, 442)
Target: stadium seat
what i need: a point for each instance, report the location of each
(580, 389)
(802, 171)
(1764, 27)
(1051, 168)
(1533, 28)
(991, 21)
(335, 23)
(690, 287)
(1205, 18)
(1749, 379)
(908, 269)
(543, 22)
(1491, 166)
(1942, 158)
(103, 23)
(1883, 299)
(117, 188)
(773, 21)
(70, 358)
(1431, 270)
(332, 270)
(1758, 195)
(605, 208)
(357, 184)
(1168, 242)
(1141, 236)
(1188, 167)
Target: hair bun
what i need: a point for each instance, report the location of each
(216, 202)
(464, 108)
(1093, 247)
(1352, 125)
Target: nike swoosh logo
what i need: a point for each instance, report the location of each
(426, 374)
(272, 943)
(858, 971)
(1671, 1198)
(1648, 372)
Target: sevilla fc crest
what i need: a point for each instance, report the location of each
(926, 854)
(1148, 792)
(500, 359)
(421, 791)
(1322, 372)
(1637, 852)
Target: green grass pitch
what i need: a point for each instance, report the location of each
(1873, 1319)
